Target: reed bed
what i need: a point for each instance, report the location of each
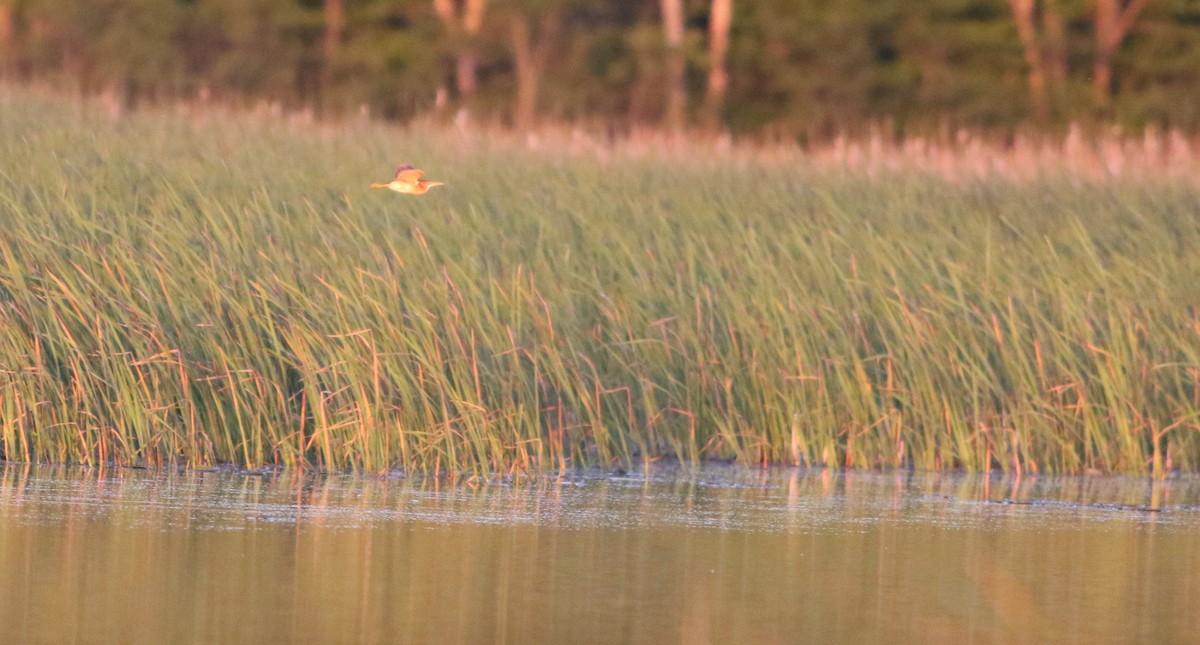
(181, 288)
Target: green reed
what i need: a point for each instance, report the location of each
(187, 288)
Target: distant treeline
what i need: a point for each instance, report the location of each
(808, 68)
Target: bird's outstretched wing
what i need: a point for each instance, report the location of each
(407, 174)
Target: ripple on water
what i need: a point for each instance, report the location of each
(724, 498)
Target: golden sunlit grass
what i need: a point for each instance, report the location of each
(200, 288)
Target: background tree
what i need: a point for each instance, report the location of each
(1054, 44)
(8, 35)
(1114, 20)
(676, 65)
(335, 26)
(1024, 13)
(463, 20)
(535, 28)
(795, 69)
(720, 19)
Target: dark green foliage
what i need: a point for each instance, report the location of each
(812, 68)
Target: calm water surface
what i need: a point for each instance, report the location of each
(714, 556)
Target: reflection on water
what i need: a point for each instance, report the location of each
(719, 556)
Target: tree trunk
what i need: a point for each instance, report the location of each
(1023, 14)
(465, 73)
(8, 35)
(465, 76)
(530, 57)
(473, 16)
(1056, 43)
(1106, 20)
(672, 13)
(719, 20)
(1114, 19)
(444, 9)
(464, 28)
(335, 25)
(527, 81)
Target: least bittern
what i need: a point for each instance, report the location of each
(408, 180)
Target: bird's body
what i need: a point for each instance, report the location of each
(408, 181)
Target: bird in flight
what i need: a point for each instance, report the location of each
(408, 180)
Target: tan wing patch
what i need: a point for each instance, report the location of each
(408, 174)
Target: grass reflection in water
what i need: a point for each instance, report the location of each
(721, 556)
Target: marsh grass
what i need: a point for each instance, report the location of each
(184, 288)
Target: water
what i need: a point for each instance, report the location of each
(720, 556)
